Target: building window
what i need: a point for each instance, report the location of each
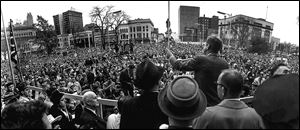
(130, 29)
(139, 35)
(138, 29)
(147, 35)
(144, 28)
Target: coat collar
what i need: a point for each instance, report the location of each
(233, 104)
(88, 110)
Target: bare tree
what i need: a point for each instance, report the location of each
(241, 33)
(101, 16)
(117, 19)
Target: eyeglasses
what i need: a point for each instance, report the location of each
(216, 83)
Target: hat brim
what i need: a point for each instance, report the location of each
(181, 113)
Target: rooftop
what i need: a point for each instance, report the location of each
(139, 20)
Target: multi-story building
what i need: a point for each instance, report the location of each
(29, 21)
(91, 27)
(208, 26)
(24, 36)
(64, 40)
(83, 39)
(204, 23)
(72, 22)
(58, 24)
(140, 30)
(188, 23)
(239, 26)
(123, 34)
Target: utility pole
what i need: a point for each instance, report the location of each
(168, 23)
(230, 15)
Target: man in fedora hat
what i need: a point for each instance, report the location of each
(143, 112)
(206, 68)
(182, 101)
(231, 113)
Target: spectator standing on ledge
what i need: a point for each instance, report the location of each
(143, 112)
(206, 68)
(231, 113)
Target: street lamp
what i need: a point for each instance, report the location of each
(230, 15)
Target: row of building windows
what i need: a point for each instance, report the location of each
(124, 36)
(23, 34)
(124, 30)
(139, 35)
(138, 29)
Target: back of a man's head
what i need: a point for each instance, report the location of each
(215, 44)
(87, 98)
(233, 81)
(24, 115)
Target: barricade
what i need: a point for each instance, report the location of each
(109, 102)
(99, 111)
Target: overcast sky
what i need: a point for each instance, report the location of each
(282, 13)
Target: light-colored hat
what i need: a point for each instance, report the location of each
(182, 100)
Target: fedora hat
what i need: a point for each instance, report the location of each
(147, 74)
(182, 100)
(276, 100)
(56, 96)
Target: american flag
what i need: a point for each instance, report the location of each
(13, 50)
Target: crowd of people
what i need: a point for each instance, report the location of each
(136, 79)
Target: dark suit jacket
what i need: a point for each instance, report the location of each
(89, 120)
(229, 114)
(142, 112)
(207, 70)
(125, 79)
(65, 122)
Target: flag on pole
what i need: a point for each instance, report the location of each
(8, 49)
(13, 51)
